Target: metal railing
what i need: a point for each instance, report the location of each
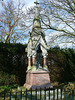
(38, 94)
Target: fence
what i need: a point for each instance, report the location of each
(41, 94)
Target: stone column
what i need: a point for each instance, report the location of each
(29, 61)
(34, 60)
(34, 63)
(45, 62)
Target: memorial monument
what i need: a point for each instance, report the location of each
(37, 73)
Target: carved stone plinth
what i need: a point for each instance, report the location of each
(37, 79)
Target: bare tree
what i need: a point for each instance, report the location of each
(10, 15)
(59, 15)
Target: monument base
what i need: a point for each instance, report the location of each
(37, 79)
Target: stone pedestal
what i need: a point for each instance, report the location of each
(37, 79)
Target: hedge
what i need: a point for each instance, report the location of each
(13, 64)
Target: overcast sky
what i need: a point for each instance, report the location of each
(28, 2)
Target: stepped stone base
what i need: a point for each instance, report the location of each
(37, 79)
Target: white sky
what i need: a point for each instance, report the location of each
(29, 3)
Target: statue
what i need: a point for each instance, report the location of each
(36, 50)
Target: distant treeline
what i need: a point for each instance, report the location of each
(61, 63)
(13, 64)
